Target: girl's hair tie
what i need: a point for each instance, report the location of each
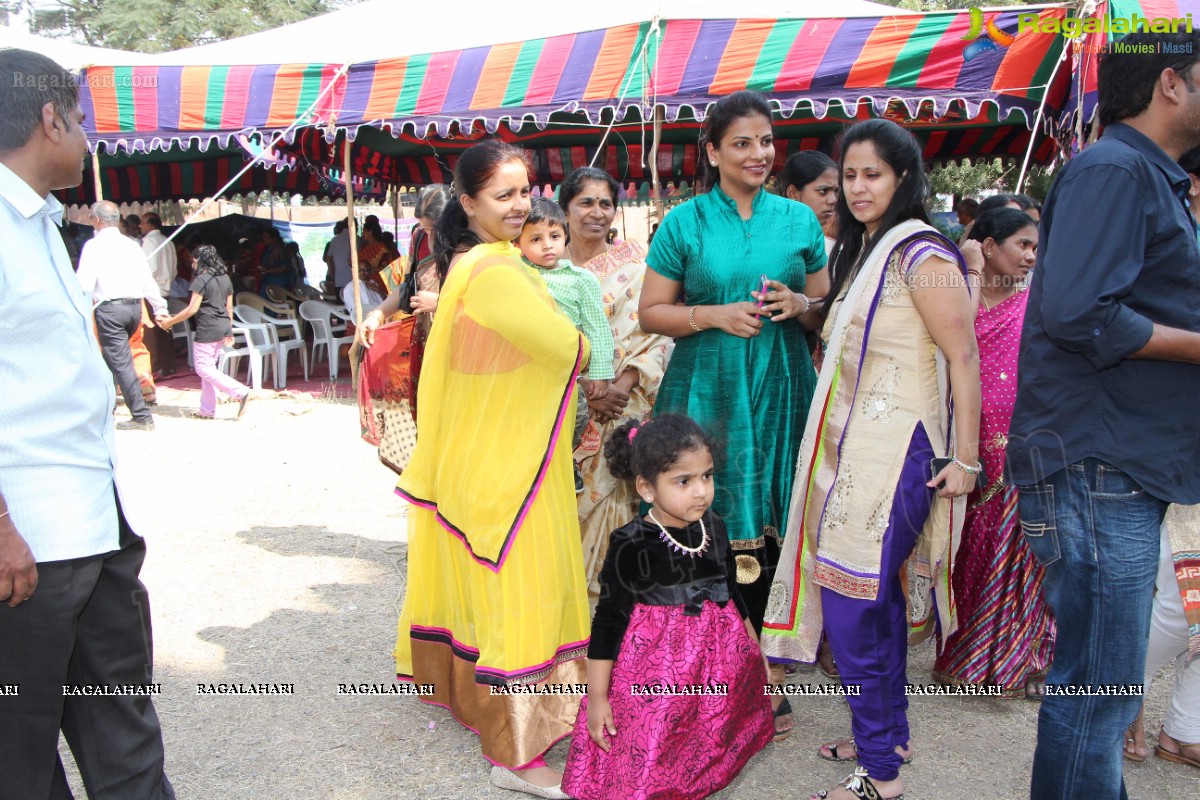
(633, 432)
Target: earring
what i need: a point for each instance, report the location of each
(713, 163)
(988, 254)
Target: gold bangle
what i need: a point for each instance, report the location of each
(692, 320)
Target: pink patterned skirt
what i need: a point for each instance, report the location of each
(681, 746)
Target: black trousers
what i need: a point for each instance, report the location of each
(87, 624)
(115, 324)
(161, 345)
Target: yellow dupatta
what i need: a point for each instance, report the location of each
(496, 388)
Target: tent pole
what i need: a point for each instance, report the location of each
(353, 229)
(96, 173)
(396, 215)
(655, 195)
(1037, 120)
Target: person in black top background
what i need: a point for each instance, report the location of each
(212, 306)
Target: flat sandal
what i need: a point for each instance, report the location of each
(858, 784)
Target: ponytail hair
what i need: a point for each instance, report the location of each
(999, 223)
(801, 169)
(209, 261)
(474, 169)
(647, 449)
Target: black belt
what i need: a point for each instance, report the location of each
(121, 301)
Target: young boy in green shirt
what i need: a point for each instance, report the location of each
(542, 242)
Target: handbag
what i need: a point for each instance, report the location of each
(385, 394)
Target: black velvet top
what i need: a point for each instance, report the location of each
(641, 568)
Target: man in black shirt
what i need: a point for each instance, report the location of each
(1105, 431)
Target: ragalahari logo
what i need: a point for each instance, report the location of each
(984, 36)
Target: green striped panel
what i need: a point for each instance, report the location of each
(310, 88)
(215, 102)
(907, 69)
(414, 77)
(1042, 76)
(774, 52)
(522, 74)
(126, 117)
(634, 73)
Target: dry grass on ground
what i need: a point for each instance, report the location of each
(276, 555)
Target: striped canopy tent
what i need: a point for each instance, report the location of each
(409, 160)
(564, 95)
(1085, 50)
(183, 174)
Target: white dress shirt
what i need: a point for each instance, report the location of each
(57, 448)
(113, 266)
(163, 264)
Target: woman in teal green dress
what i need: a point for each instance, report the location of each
(740, 367)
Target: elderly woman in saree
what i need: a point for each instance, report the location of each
(589, 197)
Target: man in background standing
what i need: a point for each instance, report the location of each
(114, 272)
(161, 257)
(1104, 430)
(73, 612)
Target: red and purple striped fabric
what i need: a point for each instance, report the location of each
(810, 67)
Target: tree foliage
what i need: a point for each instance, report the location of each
(925, 5)
(154, 26)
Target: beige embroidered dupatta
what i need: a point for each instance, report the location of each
(851, 518)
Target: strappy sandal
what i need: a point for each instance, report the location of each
(858, 784)
(832, 748)
(784, 709)
(834, 755)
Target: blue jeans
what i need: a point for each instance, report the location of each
(1096, 531)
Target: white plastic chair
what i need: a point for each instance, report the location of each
(282, 346)
(183, 330)
(231, 358)
(259, 347)
(272, 310)
(320, 315)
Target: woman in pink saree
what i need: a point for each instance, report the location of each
(1006, 633)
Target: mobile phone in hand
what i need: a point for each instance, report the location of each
(936, 465)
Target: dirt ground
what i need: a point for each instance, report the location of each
(277, 555)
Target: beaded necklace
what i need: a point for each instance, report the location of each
(675, 544)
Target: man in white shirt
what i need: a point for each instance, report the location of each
(113, 270)
(160, 254)
(73, 612)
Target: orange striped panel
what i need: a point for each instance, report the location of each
(496, 73)
(612, 62)
(193, 98)
(106, 113)
(1024, 57)
(285, 98)
(741, 55)
(881, 51)
(386, 85)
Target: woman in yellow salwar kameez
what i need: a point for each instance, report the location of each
(496, 593)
